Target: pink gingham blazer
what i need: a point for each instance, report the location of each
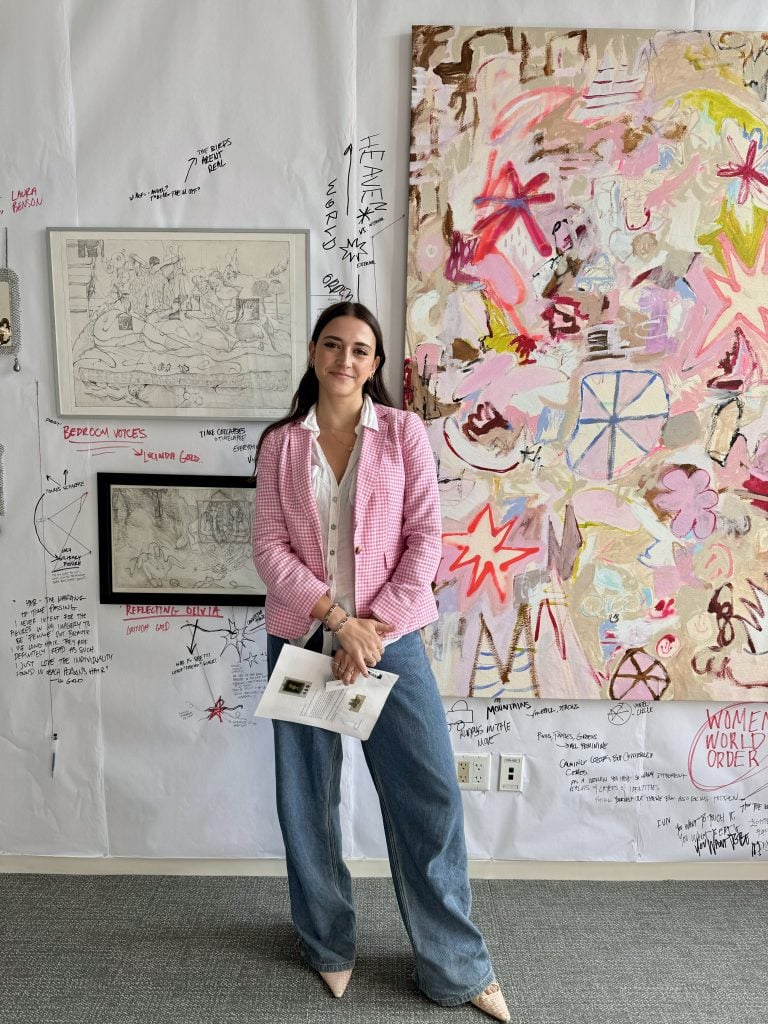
(397, 527)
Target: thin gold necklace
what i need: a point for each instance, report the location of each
(345, 444)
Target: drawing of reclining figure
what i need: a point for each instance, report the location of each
(119, 332)
(155, 563)
(240, 316)
(122, 340)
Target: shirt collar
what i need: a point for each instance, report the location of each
(368, 418)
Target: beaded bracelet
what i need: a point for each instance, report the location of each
(327, 615)
(343, 622)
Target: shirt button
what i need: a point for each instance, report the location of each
(333, 526)
(335, 500)
(331, 552)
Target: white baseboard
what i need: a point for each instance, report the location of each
(591, 870)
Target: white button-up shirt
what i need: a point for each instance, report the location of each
(336, 508)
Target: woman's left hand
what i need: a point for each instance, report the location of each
(344, 668)
(362, 648)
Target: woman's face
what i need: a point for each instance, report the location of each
(344, 357)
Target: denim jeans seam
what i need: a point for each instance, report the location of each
(334, 851)
(389, 830)
(441, 1001)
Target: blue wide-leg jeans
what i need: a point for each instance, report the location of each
(410, 759)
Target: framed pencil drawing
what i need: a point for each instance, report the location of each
(176, 538)
(204, 324)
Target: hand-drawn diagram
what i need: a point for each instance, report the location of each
(218, 709)
(182, 538)
(60, 527)
(620, 714)
(588, 345)
(244, 669)
(459, 714)
(178, 323)
(240, 637)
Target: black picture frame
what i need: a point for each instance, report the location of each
(178, 539)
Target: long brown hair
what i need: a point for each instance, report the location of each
(306, 393)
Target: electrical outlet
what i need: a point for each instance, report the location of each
(473, 770)
(511, 772)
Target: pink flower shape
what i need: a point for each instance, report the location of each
(691, 500)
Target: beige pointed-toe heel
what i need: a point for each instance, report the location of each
(337, 981)
(491, 1001)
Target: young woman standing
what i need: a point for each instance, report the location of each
(347, 539)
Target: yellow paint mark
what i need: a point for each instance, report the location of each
(501, 338)
(719, 107)
(588, 524)
(745, 242)
(701, 60)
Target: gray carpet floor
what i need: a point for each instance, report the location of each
(180, 950)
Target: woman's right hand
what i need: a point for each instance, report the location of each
(361, 647)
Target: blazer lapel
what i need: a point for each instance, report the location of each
(371, 456)
(301, 478)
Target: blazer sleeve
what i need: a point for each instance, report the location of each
(286, 576)
(421, 528)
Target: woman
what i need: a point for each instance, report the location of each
(347, 540)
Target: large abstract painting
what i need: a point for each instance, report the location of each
(588, 345)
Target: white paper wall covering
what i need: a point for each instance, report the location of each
(154, 755)
(42, 812)
(638, 782)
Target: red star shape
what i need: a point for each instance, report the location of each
(473, 546)
(747, 170)
(509, 199)
(217, 710)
